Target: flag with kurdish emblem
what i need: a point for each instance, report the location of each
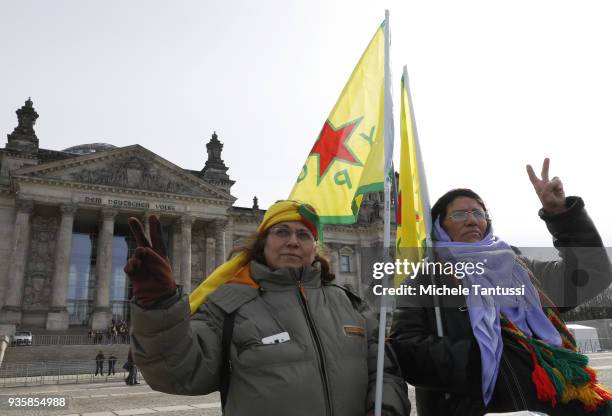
(353, 150)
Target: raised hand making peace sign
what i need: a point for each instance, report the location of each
(148, 268)
(550, 192)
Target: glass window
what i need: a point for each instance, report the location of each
(119, 288)
(81, 278)
(345, 263)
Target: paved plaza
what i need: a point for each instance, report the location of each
(117, 399)
(110, 399)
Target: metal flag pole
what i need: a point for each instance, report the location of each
(388, 141)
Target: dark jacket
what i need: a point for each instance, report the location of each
(325, 365)
(447, 370)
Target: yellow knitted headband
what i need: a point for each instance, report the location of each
(281, 211)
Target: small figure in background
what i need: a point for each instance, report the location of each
(130, 367)
(100, 363)
(112, 360)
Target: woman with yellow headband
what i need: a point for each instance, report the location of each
(268, 328)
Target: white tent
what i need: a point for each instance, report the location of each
(587, 339)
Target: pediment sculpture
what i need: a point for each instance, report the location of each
(132, 172)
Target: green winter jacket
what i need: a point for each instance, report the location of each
(327, 366)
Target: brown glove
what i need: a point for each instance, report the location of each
(149, 268)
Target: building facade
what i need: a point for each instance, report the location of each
(65, 238)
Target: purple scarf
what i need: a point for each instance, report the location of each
(500, 270)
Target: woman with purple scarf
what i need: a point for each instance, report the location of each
(502, 345)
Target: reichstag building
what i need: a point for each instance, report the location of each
(65, 238)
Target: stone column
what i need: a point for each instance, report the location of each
(11, 311)
(220, 242)
(210, 256)
(335, 259)
(176, 251)
(102, 312)
(145, 222)
(186, 223)
(229, 237)
(57, 318)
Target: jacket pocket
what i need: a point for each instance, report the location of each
(251, 351)
(270, 355)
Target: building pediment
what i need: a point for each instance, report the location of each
(127, 168)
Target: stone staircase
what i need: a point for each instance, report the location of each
(60, 357)
(64, 353)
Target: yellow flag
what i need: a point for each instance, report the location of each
(348, 157)
(412, 205)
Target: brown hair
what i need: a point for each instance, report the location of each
(254, 249)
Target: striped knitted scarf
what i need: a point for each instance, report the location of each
(560, 374)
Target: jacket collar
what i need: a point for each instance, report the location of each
(310, 276)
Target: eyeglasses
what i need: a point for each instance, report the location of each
(285, 233)
(478, 214)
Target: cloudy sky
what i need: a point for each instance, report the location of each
(495, 85)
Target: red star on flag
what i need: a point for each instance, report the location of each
(331, 145)
(398, 209)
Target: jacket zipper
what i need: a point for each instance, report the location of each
(516, 383)
(318, 345)
(503, 373)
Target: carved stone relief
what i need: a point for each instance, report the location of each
(132, 172)
(41, 259)
(36, 292)
(198, 256)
